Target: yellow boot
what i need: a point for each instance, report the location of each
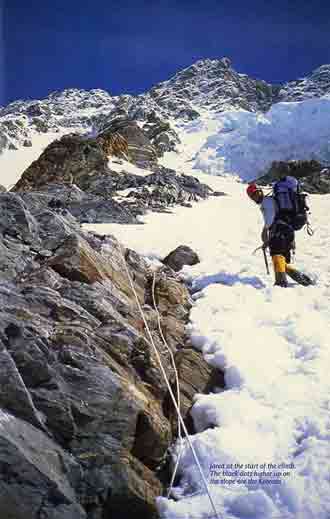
(279, 265)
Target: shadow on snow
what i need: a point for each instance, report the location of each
(224, 278)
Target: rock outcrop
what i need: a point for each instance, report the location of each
(162, 189)
(161, 135)
(85, 418)
(182, 255)
(68, 160)
(140, 150)
(313, 176)
(316, 84)
(195, 376)
(72, 176)
(114, 144)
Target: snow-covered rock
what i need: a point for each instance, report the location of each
(316, 84)
(209, 87)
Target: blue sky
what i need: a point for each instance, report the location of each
(128, 46)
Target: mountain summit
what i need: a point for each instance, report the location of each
(209, 84)
(210, 89)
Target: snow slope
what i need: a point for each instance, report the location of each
(13, 163)
(272, 344)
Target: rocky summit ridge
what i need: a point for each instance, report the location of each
(316, 84)
(209, 84)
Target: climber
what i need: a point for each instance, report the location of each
(278, 235)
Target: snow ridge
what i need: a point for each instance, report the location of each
(210, 84)
(317, 84)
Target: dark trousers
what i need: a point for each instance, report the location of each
(281, 239)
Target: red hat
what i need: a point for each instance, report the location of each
(251, 189)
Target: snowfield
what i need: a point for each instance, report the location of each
(13, 163)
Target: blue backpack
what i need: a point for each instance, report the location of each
(290, 202)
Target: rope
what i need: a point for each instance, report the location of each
(176, 381)
(170, 389)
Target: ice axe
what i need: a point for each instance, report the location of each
(263, 247)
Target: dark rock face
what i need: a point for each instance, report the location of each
(38, 477)
(182, 255)
(104, 203)
(318, 182)
(65, 160)
(140, 149)
(160, 133)
(114, 144)
(164, 188)
(14, 215)
(13, 130)
(58, 200)
(313, 177)
(315, 84)
(72, 177)
(195, 375)
(85, 422)
(4, 141)
(210, 84)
